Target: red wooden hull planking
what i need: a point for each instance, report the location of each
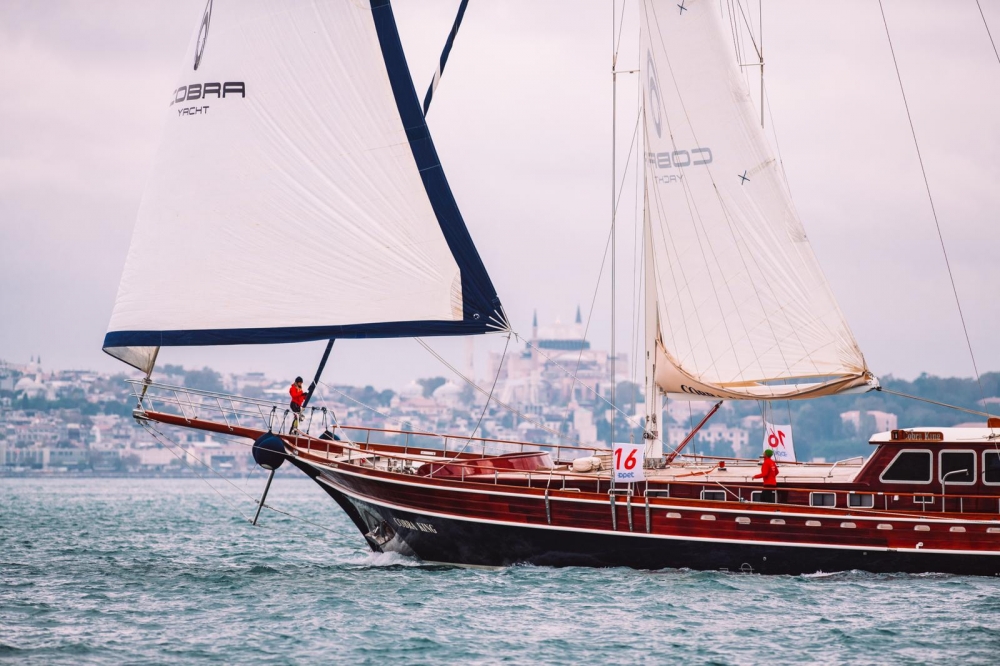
(494, 512)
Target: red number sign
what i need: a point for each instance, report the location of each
(628, 462)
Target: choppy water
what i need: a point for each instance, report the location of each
(154, 571)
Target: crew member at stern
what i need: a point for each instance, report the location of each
(299, 397)
(769, 473)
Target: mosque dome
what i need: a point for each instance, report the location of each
(448, 390)
(412, 390)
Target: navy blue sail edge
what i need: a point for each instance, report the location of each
(478, 294)
(479, 298)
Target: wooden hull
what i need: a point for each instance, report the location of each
(481, 515)
(462, 527)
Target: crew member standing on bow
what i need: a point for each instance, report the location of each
(299, 396)
(769, 473)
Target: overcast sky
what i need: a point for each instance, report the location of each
(522, 121)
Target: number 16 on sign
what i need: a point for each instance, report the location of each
(627, 460)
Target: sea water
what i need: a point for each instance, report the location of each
(114, 571)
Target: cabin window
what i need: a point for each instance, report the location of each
(756, 495)
(991, 467)
(865, 501)
(714, 495)
(822, 499)
(958, 467)
(909, 467)
(923, 499)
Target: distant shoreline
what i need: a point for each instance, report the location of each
(127, 475)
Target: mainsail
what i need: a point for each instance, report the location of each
(297, 194)
(743, 310)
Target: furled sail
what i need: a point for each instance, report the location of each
(297, 194)
(743, 308)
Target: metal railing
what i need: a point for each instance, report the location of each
(261, 413)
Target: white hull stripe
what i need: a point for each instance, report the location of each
(642, 535)
(745, 510)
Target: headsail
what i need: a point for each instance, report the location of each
(743, 308)
(297, 194)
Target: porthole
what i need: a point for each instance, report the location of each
(861, 501)
(822, 499)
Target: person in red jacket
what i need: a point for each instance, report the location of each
(769, 473)
(299, 397)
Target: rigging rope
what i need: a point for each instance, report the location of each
(160, 437)
(934, 402)
(163, 439)
(361, 404)
(927, 185)
(494, 399)
(489, 397)
(607, 244)
(988, 30)
(617, 40)
(436, 79)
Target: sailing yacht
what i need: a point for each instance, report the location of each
(295, 131)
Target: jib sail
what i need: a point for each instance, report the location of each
(297, 194)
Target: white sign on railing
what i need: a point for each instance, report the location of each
(778, 438)
(627, 462)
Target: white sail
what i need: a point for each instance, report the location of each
(744, 310)
(296, 194)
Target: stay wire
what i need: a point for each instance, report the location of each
(486, 406)
(883, 389)
(160, 437)
(496, 400)
(621, 22)
(163, 439)
(937, 223)
(986, 25)
(607, 244)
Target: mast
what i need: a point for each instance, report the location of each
(614, 173)
(653, 430)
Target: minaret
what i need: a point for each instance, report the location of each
(470, 358)
(579, 320)
(534, 326)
